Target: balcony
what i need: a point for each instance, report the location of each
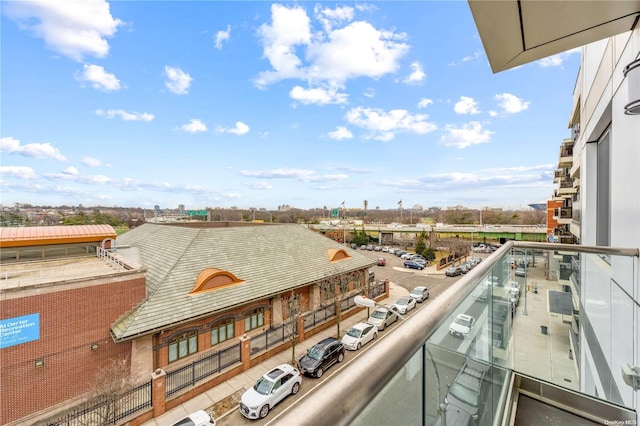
(563, 215)
(566, 188)
(558, 175)
(522, 363)
(565, 158)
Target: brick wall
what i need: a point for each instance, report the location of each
(70, 322)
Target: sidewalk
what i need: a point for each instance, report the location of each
(233, 388)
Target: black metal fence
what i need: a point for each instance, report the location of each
(205, 366)
(106, 412)
(272, 336)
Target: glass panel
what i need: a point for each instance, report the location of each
(193, 344)
(214, 337)
(223, 333)
(173, 351)
(401, 401)
(230, 330)
(247, 324)
(182, 348)
(260, 318)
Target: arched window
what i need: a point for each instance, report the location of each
(254, 319)
(183, 345)
(222, 330)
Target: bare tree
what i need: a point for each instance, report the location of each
(111, 384)
(333, 290)
(293, 309)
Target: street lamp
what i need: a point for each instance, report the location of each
(370, 303)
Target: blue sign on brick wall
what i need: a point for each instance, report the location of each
(18, 330)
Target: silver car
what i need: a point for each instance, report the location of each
(382, 318)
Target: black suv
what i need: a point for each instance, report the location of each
(321, 356)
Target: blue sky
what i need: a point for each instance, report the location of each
(260, 104)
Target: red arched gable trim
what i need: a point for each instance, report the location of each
(337, 254)
(213, 279)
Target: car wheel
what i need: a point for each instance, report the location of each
(295, 388)
(264, 411)
(358, 347)
(341, 355)
(319, 372)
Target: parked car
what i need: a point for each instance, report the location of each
(321, 356)
(381, 261)
(197, 418)
(461, 325)
(382, 318)
(392, 250)
(406, 256)
(404, 304)
(467, 389)
(370, 247)
(363, 247)
(420, 293)
(359, 335)
(354, 246)
(270, 389)
(385, 249)
(377, 248)
(464, 268)
(413, 265)
(399, 253)
(420, 261)
(481, 293)
(520, 272)
(453, 271)
(417, 257)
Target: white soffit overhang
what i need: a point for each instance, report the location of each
(516, 32)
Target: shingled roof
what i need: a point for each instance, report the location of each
(267, 260)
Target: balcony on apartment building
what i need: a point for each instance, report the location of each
(563, 215)
(519, 361)
(565, 158)
(566, 188)
(559, 174)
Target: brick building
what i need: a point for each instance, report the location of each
(160, 296)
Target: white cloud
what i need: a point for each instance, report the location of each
(467, 58)
(466, 105)
(74, 29)
(222, 36)
(177, 80)
(511, 104)
(240, 129)
(93, 162)
(259, 185)
(469, 134)
(11, 145)
(194, 126)
(341, 133)
(334, 55)
(370, 92)
(278, 173)
(126, 116)
(424, 102)
(18, 171)
(383, 125)
(417, 75)
(99, 78)
(72, 171)
(558, 59)
(318, 95)
(331, 17)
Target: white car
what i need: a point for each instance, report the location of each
(382, 317)
(405, 304)
(198, 418)
(420, 293)
(359, 335)
(461, 326)
(271, 388)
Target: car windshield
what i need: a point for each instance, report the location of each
(464, 394)
(403, 301)
(263, 386)
(379, 314)
(462, 321)
(354, 332)
(416, 292)
(315, 352)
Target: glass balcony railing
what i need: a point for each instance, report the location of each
(510, 334)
